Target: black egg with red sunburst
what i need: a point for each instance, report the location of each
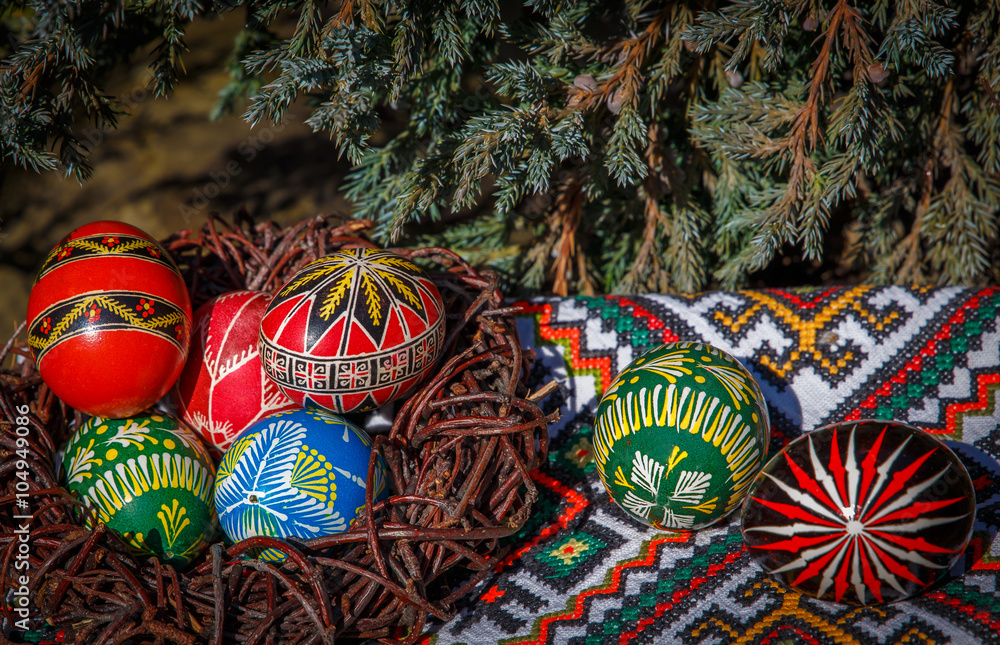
(862, 512)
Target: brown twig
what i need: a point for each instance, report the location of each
(630, 53)
(565, 217)
(990, 93)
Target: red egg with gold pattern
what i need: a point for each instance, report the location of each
(109, 320)
(352, 331)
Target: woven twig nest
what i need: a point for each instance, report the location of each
(459, 455)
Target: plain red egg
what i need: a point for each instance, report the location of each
(222, 389)
(109, 320)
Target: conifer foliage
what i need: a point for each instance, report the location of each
(591, 145)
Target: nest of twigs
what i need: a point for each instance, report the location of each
(459, 455)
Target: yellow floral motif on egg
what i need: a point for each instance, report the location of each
(374, 275)
(670, 366)
(113, 489)
(173, 521)
(232, 456)
(271, 555)
(734, 381)
(675, 458)
(131, 433)
(705, 507)
(81, 463)
(325, 418)
(676, 407)
(620, 478)
(136, 543)
(310, 474)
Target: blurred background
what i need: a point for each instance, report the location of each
(166, 167)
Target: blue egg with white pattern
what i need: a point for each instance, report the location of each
(300, 473)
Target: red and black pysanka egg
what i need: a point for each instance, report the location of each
(352, 331)
(109, 320)
(862, 513)
(223, 390)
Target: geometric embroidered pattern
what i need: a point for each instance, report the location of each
(581, 572)
(106, 311)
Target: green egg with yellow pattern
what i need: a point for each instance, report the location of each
(148, 478)
(679, 436)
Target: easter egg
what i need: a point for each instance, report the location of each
(352, 331)
(679, 436)
(109, 320)
(299, 474)
(149, 479)
(860, 513)
(222, 389)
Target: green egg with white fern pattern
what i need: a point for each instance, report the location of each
(149, 479)
(679, 436)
